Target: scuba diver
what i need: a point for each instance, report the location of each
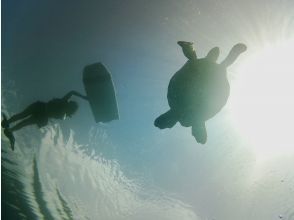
(39, 113)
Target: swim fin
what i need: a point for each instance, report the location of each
(10, 136)
(4, 122)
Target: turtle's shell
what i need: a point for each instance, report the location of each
(198, 90)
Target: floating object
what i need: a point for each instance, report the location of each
(100, 92)
(198, 91)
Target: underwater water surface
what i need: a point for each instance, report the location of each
(129, 169)
(52, 176)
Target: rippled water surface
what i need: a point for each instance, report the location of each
(129, 169)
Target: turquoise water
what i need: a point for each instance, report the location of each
(129, 169)
(60, 181)
(52, 176)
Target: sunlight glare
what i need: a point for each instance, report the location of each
(262, 100)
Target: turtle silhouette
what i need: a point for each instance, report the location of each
(198, 91)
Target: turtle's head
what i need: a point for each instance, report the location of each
(234, 53)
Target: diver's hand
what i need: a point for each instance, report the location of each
(73, 92)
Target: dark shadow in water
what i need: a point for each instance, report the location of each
(65, 207)
(14, 201)
(39, 195)
(7, 161)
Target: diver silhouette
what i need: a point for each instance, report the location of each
(198, 91)
(39, 113)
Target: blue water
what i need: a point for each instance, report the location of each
(129, 169)
(56, 179)
(52, 175)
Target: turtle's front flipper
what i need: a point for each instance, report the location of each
(213, 54)
(10, 136)
(233, 55)
(199, 132)
(166, 120)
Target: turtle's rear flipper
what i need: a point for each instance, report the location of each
(199, 132)
(4, 122)
(166, 120)
(10, 136)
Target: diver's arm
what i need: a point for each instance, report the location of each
(71, 93)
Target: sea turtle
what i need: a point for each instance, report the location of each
(198, 91)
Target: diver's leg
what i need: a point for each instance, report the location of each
(188, 50)
(199, 132)
(23, 123)
(166, 120)
(9, 131)
(25, 113)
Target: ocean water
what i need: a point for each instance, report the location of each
(56, 179)
(129, 169)
(52, 176)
